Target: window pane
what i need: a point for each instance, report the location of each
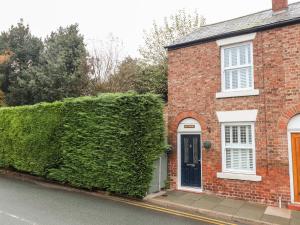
(243, 134)
(249, 54)
(238, 78)
(227, 80)
(250, 76)
(243, 54)
(243, 78)
(244, 159)
(227, 134)
(226, 57)
(234, 57)
(186, 150)
(235, 134)
(249, 134)
(236, 159)
(251, 159)
(228, 158)
(234, 76)
(196, 151)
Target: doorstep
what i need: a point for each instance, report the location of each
(224, 208)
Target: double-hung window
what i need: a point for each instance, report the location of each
(237, 67)
(238, 147)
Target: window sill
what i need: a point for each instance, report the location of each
(233, 94)
(236, 176)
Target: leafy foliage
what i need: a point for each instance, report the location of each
(153, 79)
(133, 75)
(108, 142)
(29, 137)
(123, 79)
(2, 99)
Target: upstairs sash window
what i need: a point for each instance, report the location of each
(237, 67)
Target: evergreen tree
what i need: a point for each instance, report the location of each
(64, 70)
(32, 71)
(19, 51)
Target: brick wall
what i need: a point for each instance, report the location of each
(195, 77)
(278, 5)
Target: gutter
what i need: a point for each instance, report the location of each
(235, 33)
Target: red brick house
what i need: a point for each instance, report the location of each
(234, 107)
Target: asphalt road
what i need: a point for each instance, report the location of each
(26, 203)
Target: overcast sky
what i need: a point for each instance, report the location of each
(126, 19)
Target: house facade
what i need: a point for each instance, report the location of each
(234, 107)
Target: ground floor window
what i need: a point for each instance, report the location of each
(238, 147)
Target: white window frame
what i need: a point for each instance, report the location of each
(223, 48)
(233, 171)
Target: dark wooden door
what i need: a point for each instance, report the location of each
(296, 165)
(190, 161)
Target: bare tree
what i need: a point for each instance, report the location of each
(175, 26)
(104, 60)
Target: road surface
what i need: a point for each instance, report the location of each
(26, 203)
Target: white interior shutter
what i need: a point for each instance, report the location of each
(236, 159)
(243, 78)
(239, 151)
(228, 158)
(251, 166)
(249, 54)
(227, 80)
(234, 57)
(242, 55)
(226, 57)
(234, 76)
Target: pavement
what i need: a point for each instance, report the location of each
(30, 202)
(233, 210)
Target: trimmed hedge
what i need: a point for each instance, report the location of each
(29, 137)
(108, 142)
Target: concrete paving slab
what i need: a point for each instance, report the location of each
(225, 209)
(183, 201)
(294, 221)
(213, 198)
(275, 220)
(295, 215)
(232, 203)
(280, 212)
(192, 196)
(251, 211)
(175, 193)
(205, 203)
(181, 198)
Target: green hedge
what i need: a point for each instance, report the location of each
(108, 142)
(29, 137)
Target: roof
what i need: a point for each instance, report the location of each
(251, 23)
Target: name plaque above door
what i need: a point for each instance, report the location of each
(189, 126)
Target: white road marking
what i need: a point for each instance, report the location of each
(18, 218)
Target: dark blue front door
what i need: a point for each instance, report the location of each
(190, 161)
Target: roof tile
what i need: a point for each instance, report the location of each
(248, 22)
